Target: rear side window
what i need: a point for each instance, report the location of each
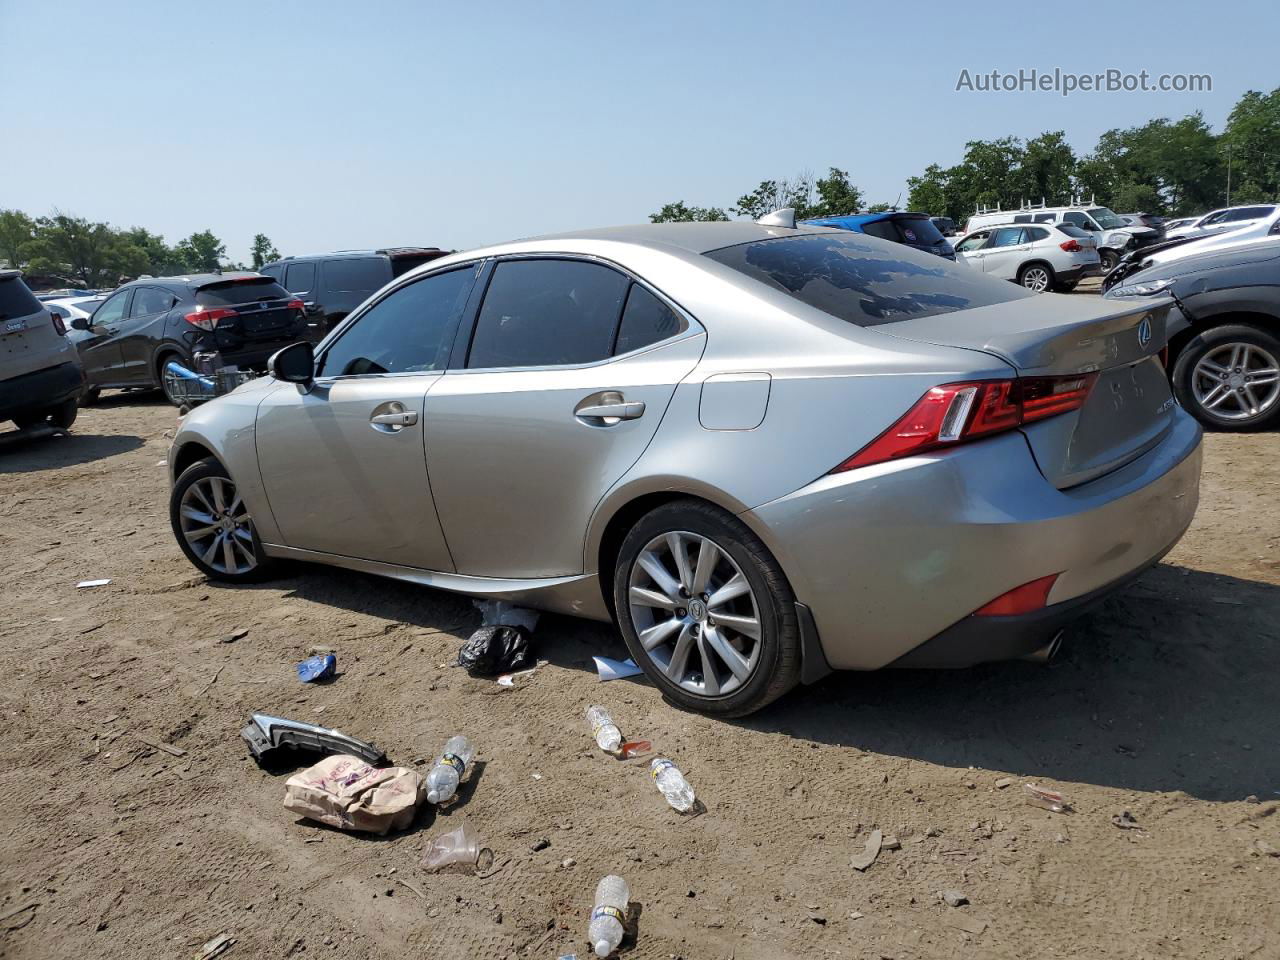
(917, 230)
(1249, 213)
(402, 263)
(275, 271)
(861, 282)
(229, 293)
(645, 320)
(356, 276)
(408, 331)
(16, 300)
(539, 313)
(300, 277)
(882, 229)
(149, 300)
(1044, 218)
(1033, 234)
(1072, 231)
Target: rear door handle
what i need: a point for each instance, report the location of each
(609, 406)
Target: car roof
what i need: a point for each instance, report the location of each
(356, 254)
(696, 237)
(192, 279)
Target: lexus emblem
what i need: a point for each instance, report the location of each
(1144, 332)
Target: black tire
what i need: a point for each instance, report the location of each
(90, 396)
(1064, 286)
(1215, 340)
(1109, 260)
(60, 415)
(1030, 270)
(263, 566)
(164, 385)
(777, 668)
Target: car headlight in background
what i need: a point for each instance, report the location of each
(1149, 289)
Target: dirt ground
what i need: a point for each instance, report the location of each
(1163, 704)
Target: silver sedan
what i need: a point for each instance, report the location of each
(765, 452)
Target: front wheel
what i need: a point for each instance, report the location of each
(706, 611)
(213, 526)
(1228, 377)
(1109, 260)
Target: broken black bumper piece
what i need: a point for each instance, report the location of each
(268, 736)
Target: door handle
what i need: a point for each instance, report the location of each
(609, 406)
(394, 418)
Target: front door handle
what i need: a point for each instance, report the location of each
(393, 418)
(609, 406)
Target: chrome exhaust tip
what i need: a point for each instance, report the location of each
(1047, 652)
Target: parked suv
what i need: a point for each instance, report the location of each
(331, 285)
(1044, 257)
(1114, 236)
(205, 322)
(40, 374)
(916, 230)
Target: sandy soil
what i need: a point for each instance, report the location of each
(1163, 704)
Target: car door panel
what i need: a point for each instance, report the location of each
(142, 332)
(99, 346)
(1003, 261)
(516, 473)
(339, 483)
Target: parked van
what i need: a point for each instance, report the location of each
(1114, 236)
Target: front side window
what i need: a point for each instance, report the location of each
(149, 300)
(539, 313)
(863, 283)
(973, 241)
(645, 320)
(1078, 219)
(113, 309)
(300, 277)
(408, 331)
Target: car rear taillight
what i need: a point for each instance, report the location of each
(296, 304)
(58, 325)
(958, 412)
(1070, 246)
(1024, 599)
(207, 319)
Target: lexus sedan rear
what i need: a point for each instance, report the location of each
(765, 452)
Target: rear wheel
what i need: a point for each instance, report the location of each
(213, 526)
(168, 383)
(60, 415)
(1228, 377)
(706, 611)
(1066, 287)
(1036, 276)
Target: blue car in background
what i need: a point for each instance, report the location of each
(914, 229)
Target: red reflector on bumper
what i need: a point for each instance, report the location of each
(1024, 599)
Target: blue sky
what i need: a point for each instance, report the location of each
(334, 125)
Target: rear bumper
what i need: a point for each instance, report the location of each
(1077, 273)
(891, 556)
(43, 388)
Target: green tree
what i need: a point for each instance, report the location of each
(263, 250)
(678, 212)
(17, 231)
(795, 192)
(202, 251)
(836, 195)
(927, 193)
(1252, 142)
(162, 260)
(92, 253)
(1047, 169)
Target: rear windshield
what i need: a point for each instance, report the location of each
(231, 292)
(356, 276)
(16, 300)
(917, 230)
(1072, 231)
(402, 263)
(864, 282)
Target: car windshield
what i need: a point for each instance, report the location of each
(864, 281)
(1106, 219)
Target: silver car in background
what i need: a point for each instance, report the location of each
(765, 452)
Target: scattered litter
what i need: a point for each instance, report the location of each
(96, 626)
(345, 792)
(536, 776)
(167, 748)
(954, 898)
(634, 748)
(968, 924)
(615, 669)
(1005, 782)
(504, 613)
(606, 733)
(92, 583)
(317, 668)
(891, 843)
(266, 735)
(861, 861)
(234, 635)
(509, 679)
(455, 847)
(1125, 821)
(672, 784)
(162, 463)
(442, 781)
(1045, 799)
(568, 863)
(215, 947)
(494, 650)
(609, 915)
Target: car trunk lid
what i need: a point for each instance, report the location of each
(248, 310)
(1129, 408)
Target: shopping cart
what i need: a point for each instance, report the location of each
(188, 388)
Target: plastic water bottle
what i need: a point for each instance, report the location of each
(610, 911)
(672, 784)
(608, 736)
(442, 781)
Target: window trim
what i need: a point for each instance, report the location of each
(466, 333)
(351, 319)
(127, 294)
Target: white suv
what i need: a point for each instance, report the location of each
(1114, 237)
(1039, 256)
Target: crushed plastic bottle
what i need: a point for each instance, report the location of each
(672, 784)
(608, 915)
(608, 736)
(442, 781)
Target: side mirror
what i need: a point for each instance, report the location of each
(295, 363)
(80, 323)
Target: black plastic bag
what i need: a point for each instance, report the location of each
(495, 650)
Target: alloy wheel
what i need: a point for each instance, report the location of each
(1236, 381)
(217, 526)
(1036, 278)
(694, 613)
